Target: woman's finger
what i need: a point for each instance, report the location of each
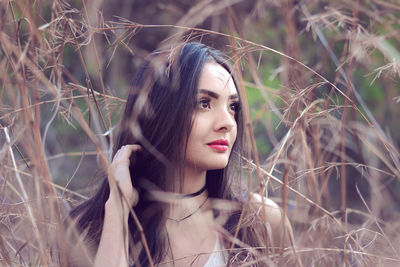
(126, 151)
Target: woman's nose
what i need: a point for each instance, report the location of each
(225, 121)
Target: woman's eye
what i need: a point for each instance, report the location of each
(235, 107)
(204, 103)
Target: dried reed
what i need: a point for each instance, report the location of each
(332, 157)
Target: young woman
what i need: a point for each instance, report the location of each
(177, 165)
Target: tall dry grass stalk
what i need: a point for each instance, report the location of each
(333, 165)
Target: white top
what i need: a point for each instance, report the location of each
(217, 257)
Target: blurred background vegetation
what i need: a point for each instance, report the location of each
(321, 80)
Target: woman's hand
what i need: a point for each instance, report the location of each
(119, 173)
(114, 242)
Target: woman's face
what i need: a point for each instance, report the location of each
(214, 126)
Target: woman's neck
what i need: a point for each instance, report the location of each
(193, 180)
(190, 199)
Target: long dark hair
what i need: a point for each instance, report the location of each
(158, 116)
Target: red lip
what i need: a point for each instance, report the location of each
(219, 145)
(219, 142)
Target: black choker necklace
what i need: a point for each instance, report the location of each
(195, 194)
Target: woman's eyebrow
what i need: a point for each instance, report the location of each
(234, 96)
(210, 93)
(215, 95)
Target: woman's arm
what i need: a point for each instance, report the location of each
(113, 246)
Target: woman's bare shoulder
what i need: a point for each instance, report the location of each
(275, 219)
(273, 212)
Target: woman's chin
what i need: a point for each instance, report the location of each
(210, 163)
(216, 165)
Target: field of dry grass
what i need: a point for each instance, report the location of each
(322, 83)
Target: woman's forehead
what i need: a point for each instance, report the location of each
(216, 77)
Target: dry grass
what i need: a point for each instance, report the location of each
(333, 165)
